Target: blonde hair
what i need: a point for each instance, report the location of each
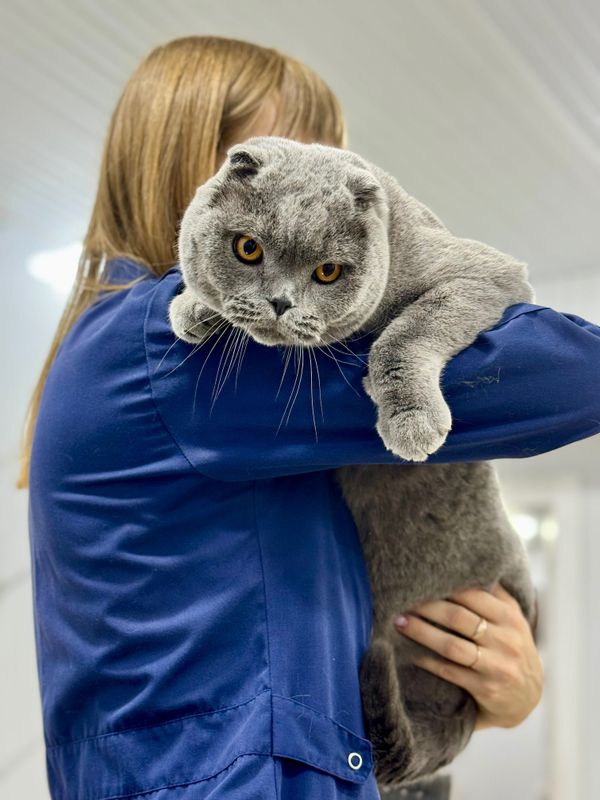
(185, 102)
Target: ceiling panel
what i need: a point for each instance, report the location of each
(488, 111)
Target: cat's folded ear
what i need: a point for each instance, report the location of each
(366, 190)
(244, 161)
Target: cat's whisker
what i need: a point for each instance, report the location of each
(313, 355)
(225, 350)
(299, 363)
(292, 352)
(285, 366)
(192, 352)
(196, 347)
(229, 349)
(216, 342)
(223, 360)
(206, 319)
(243, 349)
(230, 361)
(240, 349)
(370, 332)
(168, 350)
(346, 350)
(331, 355)
(298, 386)
(243, 319)
(312, 402)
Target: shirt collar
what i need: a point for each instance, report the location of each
(123, 270)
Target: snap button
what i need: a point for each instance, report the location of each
(355, 760)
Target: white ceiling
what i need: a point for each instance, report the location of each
(487, 111)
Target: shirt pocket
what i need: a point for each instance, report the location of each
(191, 749)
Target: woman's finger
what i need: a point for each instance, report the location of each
(505, 596)
(466, 678)
(451, 615)
(452, 648)
(486, 604)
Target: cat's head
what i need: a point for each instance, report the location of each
(288, 241)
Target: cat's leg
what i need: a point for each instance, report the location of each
(190, 319)
(417, 722)
(442, 718)
(406, 362)
(387, 725)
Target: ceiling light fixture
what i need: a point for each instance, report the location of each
(56, 268)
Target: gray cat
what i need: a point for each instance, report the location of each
(339, 248)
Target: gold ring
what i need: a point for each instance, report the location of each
(472, 666)
(480, 629)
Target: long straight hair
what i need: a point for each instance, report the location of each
(185, 102)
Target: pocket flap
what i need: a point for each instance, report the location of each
(304, 734)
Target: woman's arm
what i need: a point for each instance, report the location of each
(528, 385)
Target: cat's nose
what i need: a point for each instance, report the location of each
(280, 304)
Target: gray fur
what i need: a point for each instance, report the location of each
(427, 531)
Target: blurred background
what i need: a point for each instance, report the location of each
(489, 112)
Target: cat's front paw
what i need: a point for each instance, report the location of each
(187, 316)
(414, 433)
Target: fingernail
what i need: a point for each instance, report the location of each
(401, 621)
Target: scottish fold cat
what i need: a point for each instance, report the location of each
(334, 246)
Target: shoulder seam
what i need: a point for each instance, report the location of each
(534, 310)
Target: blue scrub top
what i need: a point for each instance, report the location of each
(201, 600)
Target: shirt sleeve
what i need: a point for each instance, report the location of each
(244, 411)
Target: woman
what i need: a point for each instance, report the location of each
(201, 601)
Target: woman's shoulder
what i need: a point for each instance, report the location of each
(110, 334)
(96, 411)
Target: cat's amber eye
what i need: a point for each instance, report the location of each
(327, 273)
(247, 249)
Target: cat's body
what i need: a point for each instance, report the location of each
(426, 534)
(308, 244)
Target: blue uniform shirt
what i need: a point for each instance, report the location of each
(201, 600)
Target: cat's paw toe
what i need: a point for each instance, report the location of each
(185, 317)
(416, 433)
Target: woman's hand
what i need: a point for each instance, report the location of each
(507, 677)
